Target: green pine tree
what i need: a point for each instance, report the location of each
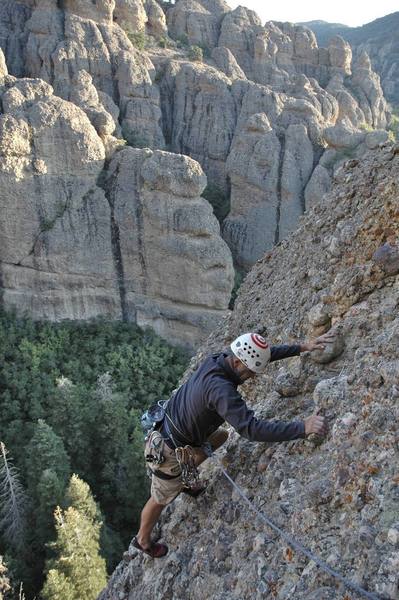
(46, 451)
(79, 496)
(78, 571)
(114, 453)
(72, 416)
(50, 492)
(47, 477)
(58, 587)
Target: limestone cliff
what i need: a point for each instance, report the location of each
(318, 103)
(269, 115)
(339, 496)
(315, 104)
(83, 237)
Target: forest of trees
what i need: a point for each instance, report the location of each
(72, 475)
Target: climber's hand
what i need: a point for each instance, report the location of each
(315, 424)
(318, 343)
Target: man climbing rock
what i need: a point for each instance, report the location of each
(194, 414)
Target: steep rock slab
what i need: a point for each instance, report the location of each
(175, 271)
(253, 166)
(80, 240)
(271, 55)
(13, 33)
(300, 87)
(140, 16)
(226, 62)
(238, 33)
(56, 258)
(270, 164)
(199, 115)
(338, 497)
(190, 20)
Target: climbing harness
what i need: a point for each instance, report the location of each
(189, 472)
(162, 475)
(185, 456)
(292, 542)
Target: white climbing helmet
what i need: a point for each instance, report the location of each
(253, 350)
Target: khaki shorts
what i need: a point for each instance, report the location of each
(164, 491)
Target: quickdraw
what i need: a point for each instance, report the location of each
(189, 472)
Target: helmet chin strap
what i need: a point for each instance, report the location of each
(241, 367)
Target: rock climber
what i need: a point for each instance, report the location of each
(194, 413)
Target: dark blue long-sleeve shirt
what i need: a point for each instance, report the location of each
(210, 397)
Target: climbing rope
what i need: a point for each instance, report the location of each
(292, 542)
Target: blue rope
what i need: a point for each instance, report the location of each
(292, 542)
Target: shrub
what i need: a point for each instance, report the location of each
(196, 53)
(138, 39)
(366, 127)
(182, 41)
(238, 279)
(135, 139)
(164, 42)
(206, 51)
(219, 201)
(393, 127)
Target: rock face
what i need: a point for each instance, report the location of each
(175, 272)
(379, 39)
(132, 239)
(316, 101)
(269, 115)
(138, 16)
(339, 496)
(267, 168)
(57, 45)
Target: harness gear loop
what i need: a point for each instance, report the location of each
(189, 472)
(156, 443)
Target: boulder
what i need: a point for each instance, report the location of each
(130, 15)
(340, 55)
(190, 20)
(158, 211)
(226, 62)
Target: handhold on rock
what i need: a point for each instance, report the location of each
(287, 384)
(319, 315)
(393, 535)
(330, 393)
(331, 350)
(387, 257)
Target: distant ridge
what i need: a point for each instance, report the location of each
(378, 38)
(383, 26)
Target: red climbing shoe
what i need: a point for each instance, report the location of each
(155, 550)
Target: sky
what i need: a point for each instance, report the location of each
(337, 11)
